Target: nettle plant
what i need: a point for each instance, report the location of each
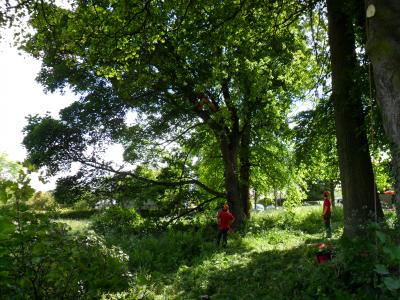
(41, 259)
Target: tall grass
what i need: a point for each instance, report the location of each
(266, 259)
(271, 257)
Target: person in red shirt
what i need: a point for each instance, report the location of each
(326, 214)
(225, 219)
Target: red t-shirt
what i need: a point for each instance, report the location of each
(327, 204)
(224, 217)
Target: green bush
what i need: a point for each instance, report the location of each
(387, 263)
(81, 205)
(117, 220)
(42, 201)
(39, 259)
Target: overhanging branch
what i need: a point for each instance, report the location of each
(108, 168)
(189, 211)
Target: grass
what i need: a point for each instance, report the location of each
(76, 225)
(268, 259)
(271, 257)
(77, 220)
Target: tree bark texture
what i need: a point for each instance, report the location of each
(244, 160)
(356, 172)
(229, 151)
(383, 48)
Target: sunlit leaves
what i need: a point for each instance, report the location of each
(195, 74)
(14, 182)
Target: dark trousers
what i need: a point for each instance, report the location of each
(327, 223)
(222, 233)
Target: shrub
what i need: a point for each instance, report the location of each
(117, 220)
(39, 259)
(388, 261)
(42, 201)
(81, 205)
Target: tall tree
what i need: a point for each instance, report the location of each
(315, 143)
(354, 159)
(191, 72)
(383, 48)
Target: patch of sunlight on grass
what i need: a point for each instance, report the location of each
(200, 275)
(76, 225)
(276, 239)
(267, 213)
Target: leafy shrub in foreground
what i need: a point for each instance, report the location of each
(387, 265)
(39, 259)
(361, 268)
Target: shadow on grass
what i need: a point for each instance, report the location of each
(313, 222)
(166, 252)
(188, 264)
(275, 274)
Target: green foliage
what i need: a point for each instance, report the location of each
(168, 251)
(361, 267)
(268, 256)
(70, 190)
(205, 79)
(16, 191)
(264, 258)
(39, 259)
(42, 201)
(74, 214)
(59, 137)
(295, 196)
(117, 220)
(81, 205)
(9, 170)
(76, 225)
(387, 266)
(383, 175)
(14, 182)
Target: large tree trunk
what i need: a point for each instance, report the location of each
(229, 151)
(244, 155)
(383, 48)
(354, 159)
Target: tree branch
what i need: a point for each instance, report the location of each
(189, 211)
(105, 167)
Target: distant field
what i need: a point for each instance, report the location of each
(76, 225)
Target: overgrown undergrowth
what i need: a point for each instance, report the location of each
(271, 257)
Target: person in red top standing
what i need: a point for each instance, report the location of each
(326, 214)
(225, 219)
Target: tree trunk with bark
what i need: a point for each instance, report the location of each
(383, 48)
(244, 160)
(229, 151)
(354, 159)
